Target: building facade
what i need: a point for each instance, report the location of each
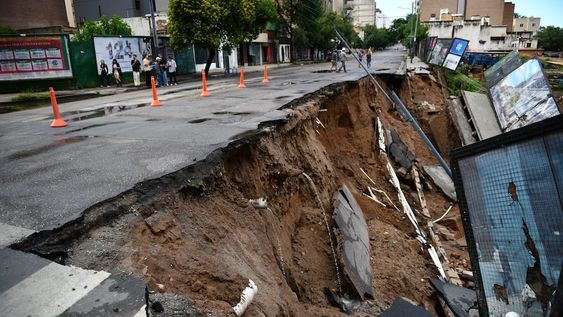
(34, 16)
(498, 11)
(93, 10)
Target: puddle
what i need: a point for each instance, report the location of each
(232, 113)
(199, 120)
(81, 115)
(89, 127)
(48, 147)
(153, 120)
(12, 107)
(323, 71)
(281, 97)
(244, 134)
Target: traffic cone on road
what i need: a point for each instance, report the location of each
(241, 83)
(155, 102)
(204, 93)
(58, 122)
(265, 81)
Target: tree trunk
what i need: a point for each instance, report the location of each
(210, 57)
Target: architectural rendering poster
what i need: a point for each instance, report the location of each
(438, 54)
(455, 53)
(502, 68)
(523, 97)
(121, 49)
(514, 221)
(430, 43)
(34, 57)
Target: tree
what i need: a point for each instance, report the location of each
(214, 23)
(113, 26)
(376, 38)
(326, 35)
(406, 30)
(7, 30)
(551, 38)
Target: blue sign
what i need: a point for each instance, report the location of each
(459, 46)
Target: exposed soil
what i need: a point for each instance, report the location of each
(206, 240)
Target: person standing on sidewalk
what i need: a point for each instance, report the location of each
(136, 65)
(163, 72)
(147, 70)
(116, 70)
(104, 73)
(172, 70)
(342, 58)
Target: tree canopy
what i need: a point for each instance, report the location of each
(551, 38)
(113, 26)
(7, 30)
(377, 38)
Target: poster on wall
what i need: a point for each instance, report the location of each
(34, 57)
(121, 49)
(438, 54)
(455, 53)
(511, 203)
(523, 97)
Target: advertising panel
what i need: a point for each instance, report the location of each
(509, 190)
(34, 57)
(438, 54)
(523, 97)
(455, 53)
(502, 68)
(121, 49)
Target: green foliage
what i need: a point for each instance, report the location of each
(377, 38)
(7, 30)
(113, 26)
(406, 30)
(212, 23)
(551, 38)
(327, 39)
(30, 96)
(457, 81)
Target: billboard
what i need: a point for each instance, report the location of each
(509, 190)
(121, 48)
(438, 54)
(523, 97)
(502, 68)
(34, 57)
(455, 53)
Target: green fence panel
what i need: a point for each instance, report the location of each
(185, 60)
(84, 68)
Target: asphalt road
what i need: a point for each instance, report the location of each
(50, 176)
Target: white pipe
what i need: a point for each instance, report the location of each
(246, 298)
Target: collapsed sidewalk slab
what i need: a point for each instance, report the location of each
(355, 245)
(482, 114)
(402, 308)
(459, 299)
(442, 180)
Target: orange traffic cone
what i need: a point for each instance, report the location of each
(241, 83)
(265, 81)
(58, 122)
(155, 102)
(204, 93)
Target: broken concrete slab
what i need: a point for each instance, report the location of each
(402, 308)
(159, 221)
(482, 114)
(459, 299)
(442, 180)
(399, 150)
(461, 121)
(355, 241)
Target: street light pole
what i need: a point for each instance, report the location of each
(154, 35)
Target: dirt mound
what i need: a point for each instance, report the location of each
(205, 240)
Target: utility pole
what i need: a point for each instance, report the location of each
(152, 7)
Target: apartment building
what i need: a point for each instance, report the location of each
(32, 16)
(499, 12)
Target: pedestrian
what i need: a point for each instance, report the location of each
(116, 70)
(157, 70)
(334, 60)
(172, 70)
(136, 65)
(360, 57)
(163, 78)
(104, 74)
(342, 57)
(368, 57)
(147, 70)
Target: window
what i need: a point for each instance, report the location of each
(528, 44)
(533, 24)
(137, 4)
(521, 25)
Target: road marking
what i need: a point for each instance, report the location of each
(49, 291)
(10, 234)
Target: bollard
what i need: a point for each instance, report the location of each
(241, 82)
(265, 81)
(58, 122)
(204, 92)
(155, 102)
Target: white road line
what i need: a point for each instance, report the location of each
(10, 234)
(49, 291)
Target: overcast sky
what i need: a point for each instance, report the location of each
(550, 11)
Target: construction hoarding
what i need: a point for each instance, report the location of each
(120, 48)
(510, 194)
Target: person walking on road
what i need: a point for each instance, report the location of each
(104, 74)
(172, 70)
(334, 60)
(116, 70)
(147, 70)
(136, 65)
(368, 57)
(360, 57)
(342, 58)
